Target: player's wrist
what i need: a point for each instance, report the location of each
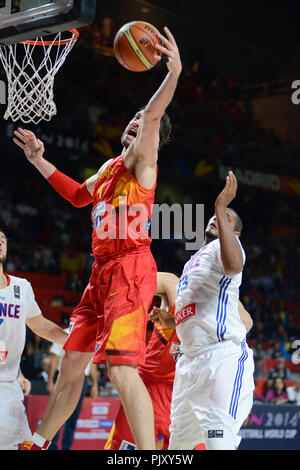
(38, 161)
(44, 167)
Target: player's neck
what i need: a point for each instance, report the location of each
(3, 278)
(207, 240)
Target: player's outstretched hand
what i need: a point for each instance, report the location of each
(228, 193)
(169, 49)
(161, 316)
(27, 141)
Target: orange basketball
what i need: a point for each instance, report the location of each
(134, 46)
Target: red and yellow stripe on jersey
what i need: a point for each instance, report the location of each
(121, 212)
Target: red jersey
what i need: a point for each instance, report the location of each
(121, 214)
(161, 355)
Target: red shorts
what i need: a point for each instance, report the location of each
(161, 395)
(111, 318)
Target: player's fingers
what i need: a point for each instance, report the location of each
(26, 132)
(151, 314)
(40, 143)
(154, 315)
(155, 319)
(20, 137)
(17, 142)
(165, 42)
(227, 183)
(155, 310)
(170, 36)
(163, 49)
(232, 181)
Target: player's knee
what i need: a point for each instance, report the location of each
(120, 374)
(74, 364)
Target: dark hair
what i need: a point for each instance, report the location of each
(239, 223)
(3, 231)
(164, 131)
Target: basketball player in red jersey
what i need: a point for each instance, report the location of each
(111, 318)
(158, 372)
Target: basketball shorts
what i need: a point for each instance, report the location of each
(111, 318)
(161, 394)
(14, 428)
(212, 397)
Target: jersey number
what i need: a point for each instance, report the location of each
(182, 284)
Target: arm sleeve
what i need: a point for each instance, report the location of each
(77, 194)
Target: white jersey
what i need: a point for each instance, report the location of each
(207, 302)
(17, 303)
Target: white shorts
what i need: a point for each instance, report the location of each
(212, 397)
(14, 428)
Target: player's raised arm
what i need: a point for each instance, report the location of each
(166, 288)
(167, 285)
(147, 142)
(79, 195)
(231, 252)
(163, 97)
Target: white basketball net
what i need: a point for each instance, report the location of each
(31, 70)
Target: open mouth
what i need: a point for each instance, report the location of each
(132, 132)
(213, 226)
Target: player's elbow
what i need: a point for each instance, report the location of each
(248, 324)
(233, 263)
(170, 278)
(232, 268)
(78, 204)
(164, 280)
(152, 114)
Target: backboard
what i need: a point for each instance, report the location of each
(22, 20)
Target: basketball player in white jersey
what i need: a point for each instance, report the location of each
(18, 308)
(213, 388)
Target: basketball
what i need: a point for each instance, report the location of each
(134, 46)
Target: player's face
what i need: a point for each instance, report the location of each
(3, 248)
(131, 130)
(212, 226)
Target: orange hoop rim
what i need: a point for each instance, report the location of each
(62, 42)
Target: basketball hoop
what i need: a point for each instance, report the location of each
(31, 67)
